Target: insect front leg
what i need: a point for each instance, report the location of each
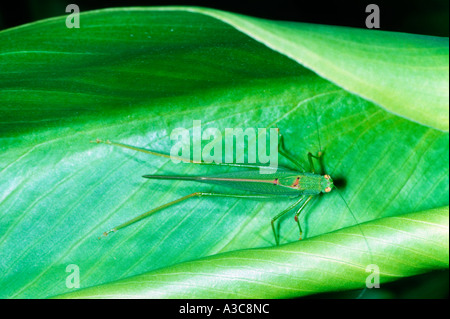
(311, 164)
(297, 219)
(282, 151)
(272, 223)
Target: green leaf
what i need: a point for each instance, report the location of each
(407, 74)
(133, 75)
(287, 271)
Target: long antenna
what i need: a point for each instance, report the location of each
(343, 199)
(317, 129)
(362, 232)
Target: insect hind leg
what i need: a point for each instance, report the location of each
(181, 159)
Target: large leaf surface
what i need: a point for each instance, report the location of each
(325, 262)
(134, 75)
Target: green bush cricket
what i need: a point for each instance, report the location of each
(301, 185)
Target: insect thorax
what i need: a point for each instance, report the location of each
(305, 183)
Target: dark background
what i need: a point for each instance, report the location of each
(428, 17)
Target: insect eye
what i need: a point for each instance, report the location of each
(328, 189)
